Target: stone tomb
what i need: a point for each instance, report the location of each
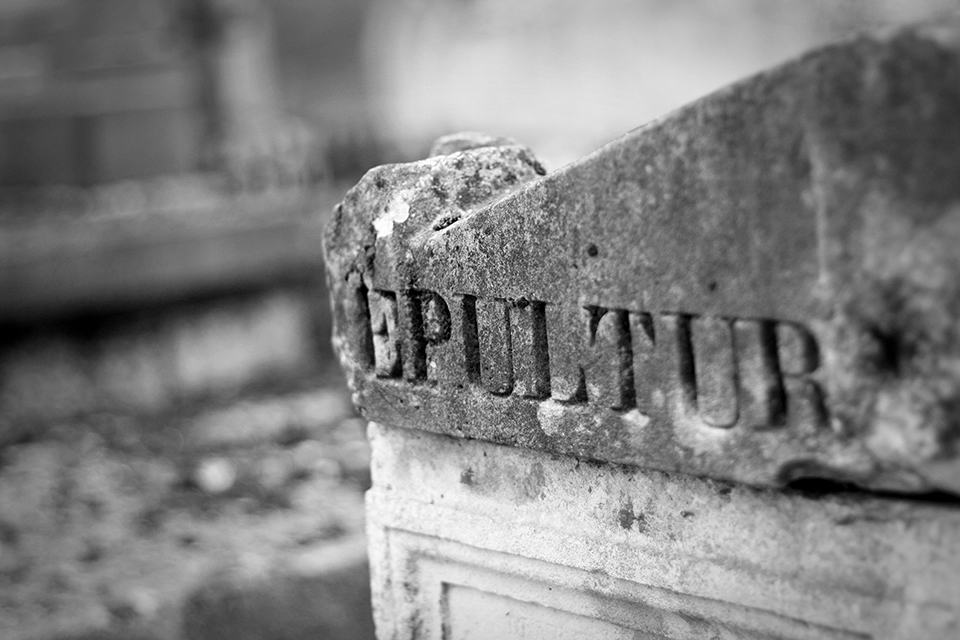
(597, 393)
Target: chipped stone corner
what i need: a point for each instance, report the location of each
(396, 208)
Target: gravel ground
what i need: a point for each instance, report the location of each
(121, 525)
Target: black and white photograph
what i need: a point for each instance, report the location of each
(479, 320)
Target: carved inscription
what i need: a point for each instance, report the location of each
(727, 372)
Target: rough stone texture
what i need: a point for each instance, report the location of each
(762, 286)
(474, 540)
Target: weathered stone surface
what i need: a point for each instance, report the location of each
(471, 540)
(762, 286)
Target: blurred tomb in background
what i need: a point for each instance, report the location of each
(172, 439)
(96, 91)
(148, 161)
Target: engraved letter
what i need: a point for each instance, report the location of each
(443, 354)
(470, 337)
(645, 369)
(352, 318)
(609, 365)
(761, 391)
(715, 369)
(414, 353)
(436, 318)
(426, 329)
(383, 326)
(528, 341)
(496, 360)
(566, 325)
(678, 373)
(799, 357)
(590, 356)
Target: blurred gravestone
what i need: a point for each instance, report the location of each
(160, 317)
(145, 157)
(95, 91)
(760, 289)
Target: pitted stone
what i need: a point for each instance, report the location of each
(761, 286)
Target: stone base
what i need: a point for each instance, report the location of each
(474, 540)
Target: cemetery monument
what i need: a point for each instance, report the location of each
(704, 382)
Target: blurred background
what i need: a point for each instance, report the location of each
(178, 455)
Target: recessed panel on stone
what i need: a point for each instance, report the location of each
(470, 539)
(762, 286)
(445, 590)
(480, 615)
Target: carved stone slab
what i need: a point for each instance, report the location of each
(762, 286)
(471, 540)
